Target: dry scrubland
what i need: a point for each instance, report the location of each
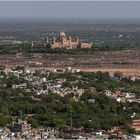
(127, 61)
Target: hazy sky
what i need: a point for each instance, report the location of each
(63, 9)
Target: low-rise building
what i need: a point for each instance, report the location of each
(21, 126)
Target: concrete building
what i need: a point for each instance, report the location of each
(21, 126)
(136, 125)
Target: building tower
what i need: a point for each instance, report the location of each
(77, 40)
(63, 42)
(53, 40)
(70, 41)
(62, 35)
(46, 41)
(33, 45)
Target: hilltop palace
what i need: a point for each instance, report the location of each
(61, 42)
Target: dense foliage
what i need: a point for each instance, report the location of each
(57, 111)
(96, 47)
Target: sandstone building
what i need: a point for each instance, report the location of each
(62, 42)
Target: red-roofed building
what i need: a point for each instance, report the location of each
(136, 125)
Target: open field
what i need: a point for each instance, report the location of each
(110, 70)
(126, 61)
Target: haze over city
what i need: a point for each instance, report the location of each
(70, 9)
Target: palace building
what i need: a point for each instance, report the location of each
(62, 42)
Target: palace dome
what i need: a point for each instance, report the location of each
(62, 34)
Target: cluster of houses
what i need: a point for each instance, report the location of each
(122, 97)
(40, 84)
(55, 86)
(21, 130)
(134, 78)
(85, 133)
(9, 42)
